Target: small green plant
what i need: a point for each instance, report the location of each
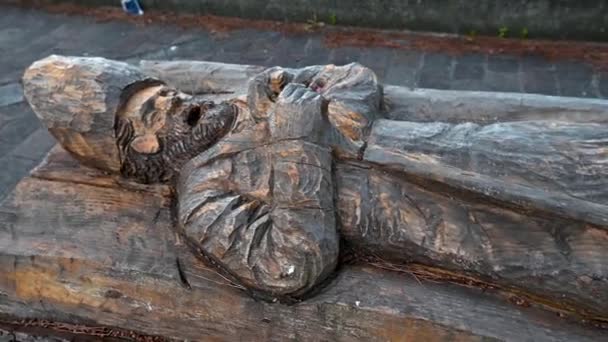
(503, 31)
(524, 33)
(333, 19)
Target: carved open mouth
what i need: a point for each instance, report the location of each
(198, 127)
(210, 122)
(194, 114)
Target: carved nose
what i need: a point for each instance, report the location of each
(146, 144)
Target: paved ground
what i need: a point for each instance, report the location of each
(28, 35)
(9, 336)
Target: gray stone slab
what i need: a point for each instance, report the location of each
(436, 71)
(262, 52)
(573, 70)
(503, 64)
(377, 59)
(575, 79)
(344, 55)
(13, 169)
(535, 62)
(576, 88)
(538, 81)
(201, 48)
(14, 128)
(603, 84)
(10, 94)
(18, 159)
(17, 122)
(467, 84)
(11, 71)
(315, 52)
(289, 50)
(35, 146)
(92, 39)
(469, 67)
(502, 81)
(404, 68)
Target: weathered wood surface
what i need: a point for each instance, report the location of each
(218, 81)
(558, 262)
(518, 204)
(551, 166)
(508, 187)
(75, 246)
(428, 105)
(80, 100)
(403, 104)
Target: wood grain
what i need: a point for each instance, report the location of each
(516, 202)
(76, 99)
(105, 255)
(402, 104)
(555, 261)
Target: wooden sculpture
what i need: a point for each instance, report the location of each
(268, 185)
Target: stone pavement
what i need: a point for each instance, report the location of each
(10, 336)
(27, 35)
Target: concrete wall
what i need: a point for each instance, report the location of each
(563, 19)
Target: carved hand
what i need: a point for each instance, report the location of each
(263, 90)
(300, 113)
(266, 215)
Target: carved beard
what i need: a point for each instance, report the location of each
(188, 134)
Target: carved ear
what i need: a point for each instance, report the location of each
(76, 98)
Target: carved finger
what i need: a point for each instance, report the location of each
(310, 96)
(288, 91)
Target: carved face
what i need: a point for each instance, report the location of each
(158, 129)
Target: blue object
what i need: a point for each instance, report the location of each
(132, 7)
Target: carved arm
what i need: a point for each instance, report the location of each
(352, 91)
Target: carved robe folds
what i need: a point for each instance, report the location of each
(520, 203)
(267, 213)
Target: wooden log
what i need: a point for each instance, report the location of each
(403, 104)
(76, 98)
(537, 160)
(551, 260)
(77, 247)
(218, 81)
(428, 105)
(417, 192)
(551, 166)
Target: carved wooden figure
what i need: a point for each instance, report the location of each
(266, 185)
